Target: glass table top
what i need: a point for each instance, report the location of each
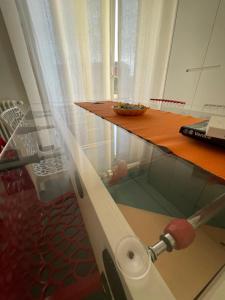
(146, 176)
(149, 184)
(151, 178)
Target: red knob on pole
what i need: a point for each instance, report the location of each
(182, 232)
(119, 171)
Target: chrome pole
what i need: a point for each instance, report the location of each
(174, 237)
(208, 212)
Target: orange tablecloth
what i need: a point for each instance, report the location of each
(162, 128)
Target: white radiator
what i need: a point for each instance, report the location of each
(6, 104)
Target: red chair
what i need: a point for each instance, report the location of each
(2, 144)
(44, 248)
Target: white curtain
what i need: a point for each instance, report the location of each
(72, 48)
(70, 44)
(70, 41)
(145, 36)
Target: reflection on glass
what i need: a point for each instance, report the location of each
(44, 245)
(145, 176)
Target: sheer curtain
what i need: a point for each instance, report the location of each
(69, 42)
(145, 29)
(70, 49)
(145, 36)
(71, 46)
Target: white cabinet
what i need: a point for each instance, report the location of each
(211, 86)
(198, 42)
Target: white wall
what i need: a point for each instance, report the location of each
(11, 85)
(17, 39)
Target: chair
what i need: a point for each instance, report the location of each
(11, 118)
(2, 144)
(33, 233)
(52, 161)
(5, 105)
